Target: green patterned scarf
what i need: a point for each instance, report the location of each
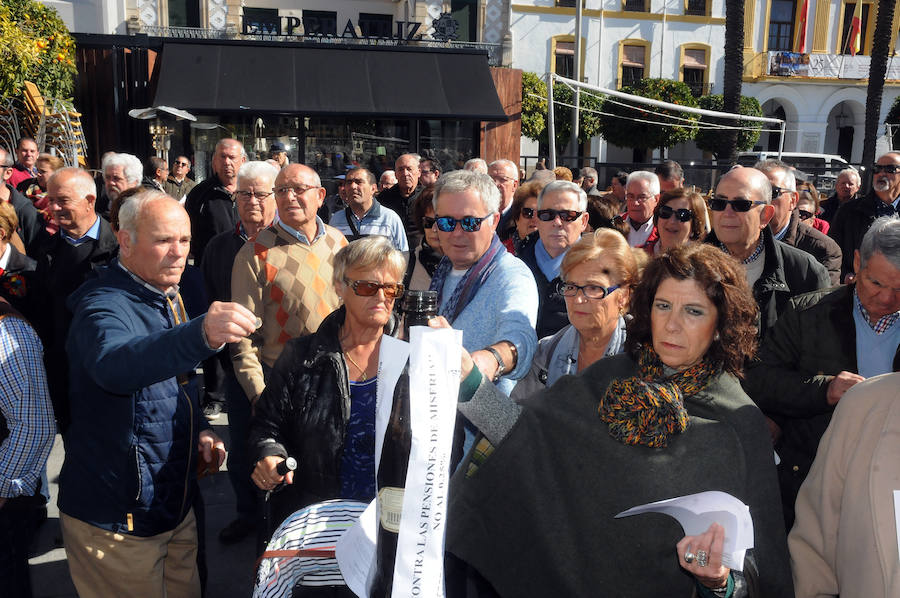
(648, 408)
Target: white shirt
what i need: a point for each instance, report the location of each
(638, 236)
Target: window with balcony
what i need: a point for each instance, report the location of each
(466, 14)
(184, 13)
(849, 9)
(633, 63)
(781, 25)
(564, 59)
(695, 7)
(694, 70)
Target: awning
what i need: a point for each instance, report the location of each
(335, 81)
(695, 59)
(633, 56)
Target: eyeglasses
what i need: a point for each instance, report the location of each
(528, 212)
(247, 195)
(470, 224)
(738, 205)
(682, 214)
(640, 198)
(427, 222)
(369, 288)
(591, 291)
(805, 215)
(564, 215)
(888, 168)
(296, 190)
(502, 180)
(182, 164)
(777, 191)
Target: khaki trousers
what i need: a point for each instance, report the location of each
(105, 564)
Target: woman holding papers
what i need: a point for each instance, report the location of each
(533, 508)
(319, 404)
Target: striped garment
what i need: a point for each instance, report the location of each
(316, 527)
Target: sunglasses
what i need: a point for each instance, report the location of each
(888, 168)
(369, 288)
(682, 214)
(470, 224)
(777, 191)
(564, 215)
(528, 213)
(804, 215)
(591, 291)
(427, 222)
(738, 205)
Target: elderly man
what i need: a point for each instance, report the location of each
(121, 172)
(278, 152)
(562, 218)
(210, 204)
(128, 485)
(786, 225)
(641, 197)
(402, 196)
(387, 180)
(26, 163)
(255, 201)
(855, 217)
(26, 436)
(740, 214)
(589, 179)
(476, 165)
(482, 289)
(156, 170)
(505, 175)
(671, 175)
(845, 188)
(364, 216)
(178, 184)
(83, 243)
(284, 276)
(30, 229)
(823, 344)
(429, 171)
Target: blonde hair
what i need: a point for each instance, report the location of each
(627, 263)
(368, 253)
(9, 222)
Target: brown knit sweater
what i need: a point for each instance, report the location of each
(288, 285)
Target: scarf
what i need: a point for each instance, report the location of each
(471, 281)
(428, 257)
(648, 408)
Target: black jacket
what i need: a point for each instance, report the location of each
(17, 283)
(820, 246)
(216, 268)
(852, 221)
(211, 210)
(787, 272)
(552, 315)
(303, 413)
(30, 228)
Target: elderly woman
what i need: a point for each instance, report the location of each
(533, 510)
(319, 403)
(522, 217)
(16, 269)
(428, 253)
(597, 275)
(680, 217)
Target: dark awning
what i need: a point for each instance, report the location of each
(340, 80)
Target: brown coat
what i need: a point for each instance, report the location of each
(844, 540)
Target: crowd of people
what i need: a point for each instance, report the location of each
(620, 347)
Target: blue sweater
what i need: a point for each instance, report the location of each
(131, 451)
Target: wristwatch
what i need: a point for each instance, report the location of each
(500, 367)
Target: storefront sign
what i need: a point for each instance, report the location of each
(318, 23)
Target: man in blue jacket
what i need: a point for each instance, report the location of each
(129, 479)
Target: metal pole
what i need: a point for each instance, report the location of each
(781, 140)
(551, 124)
(573, 142)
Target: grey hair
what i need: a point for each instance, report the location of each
(417, 157)
(589, 173)
(80, 180)
(645, 175)
(852, 172)
(506, 164)
(772, 165)
(476, 165)
(460, 181)
(256, 170)
(132, 169)
(229, 141)
(882, 237)
(131, 209)
(368, 253)
(564, 187)
(6, 160)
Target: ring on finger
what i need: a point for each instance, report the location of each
(702, 558)
(689, 557)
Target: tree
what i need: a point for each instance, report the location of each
(534, 112)
(36, 47)
(620, 127)
(712, 140)
(881, 41)
(733, 72)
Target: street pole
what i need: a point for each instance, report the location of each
(573, 142)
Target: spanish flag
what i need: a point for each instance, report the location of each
(801, 38)
(856, 28)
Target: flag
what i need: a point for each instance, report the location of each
(856, 28)
(801, 40)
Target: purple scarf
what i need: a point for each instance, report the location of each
(471, 280)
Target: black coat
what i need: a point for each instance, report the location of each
(211, 209)
(17, 284)
(31, 227)
(852, 221)
(552, 315)
(303, 413)
(820, 246)
(220, 253)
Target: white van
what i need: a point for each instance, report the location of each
(821, 168)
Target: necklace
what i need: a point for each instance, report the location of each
(365, 376)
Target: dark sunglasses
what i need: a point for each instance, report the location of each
(777, 191)
(591, 291)
(888, 168)
(682, 214)
(564, 215)
(528, 212)
(427, 222)
(804, 215)
(738, 205)
(368, 288)
(470, 224)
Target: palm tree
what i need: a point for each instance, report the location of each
(733, 72)
(881, 41)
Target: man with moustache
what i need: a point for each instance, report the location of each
(364, 215)
(855, 217)
(641, 197)
(121, 172)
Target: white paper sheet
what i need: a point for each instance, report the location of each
(355, 552)
(696, 512)
(392, 359)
